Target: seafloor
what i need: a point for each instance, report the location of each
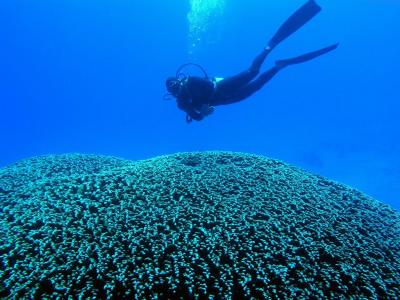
(207, 225)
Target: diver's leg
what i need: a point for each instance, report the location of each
(252, 87)
(230, 84)
(305, 57)
(259, 60)
(255, 85)
(300, 17)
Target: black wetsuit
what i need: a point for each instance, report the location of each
(197, 91)
(196, 95)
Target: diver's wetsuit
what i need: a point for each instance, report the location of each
(196, 96)
(197, 91)
(239, 87)
(194, 93)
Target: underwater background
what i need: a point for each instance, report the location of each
(88, 77)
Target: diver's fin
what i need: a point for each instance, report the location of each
(295, 22)
(305, 57)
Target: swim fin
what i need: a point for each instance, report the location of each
(305, 57)
(295, 22)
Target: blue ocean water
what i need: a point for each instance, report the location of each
(88, 77)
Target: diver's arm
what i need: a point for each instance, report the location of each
(195, 90)
(193, 115)
(205, 111)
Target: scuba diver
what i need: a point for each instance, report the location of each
(197, 96)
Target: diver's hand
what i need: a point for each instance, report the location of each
(207, 110)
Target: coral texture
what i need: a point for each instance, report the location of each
(206, 225)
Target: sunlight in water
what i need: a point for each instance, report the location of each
(203, 22)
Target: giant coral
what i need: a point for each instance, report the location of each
(207, 225)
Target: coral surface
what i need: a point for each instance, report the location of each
(206, 225)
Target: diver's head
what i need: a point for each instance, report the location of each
(173, 85)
